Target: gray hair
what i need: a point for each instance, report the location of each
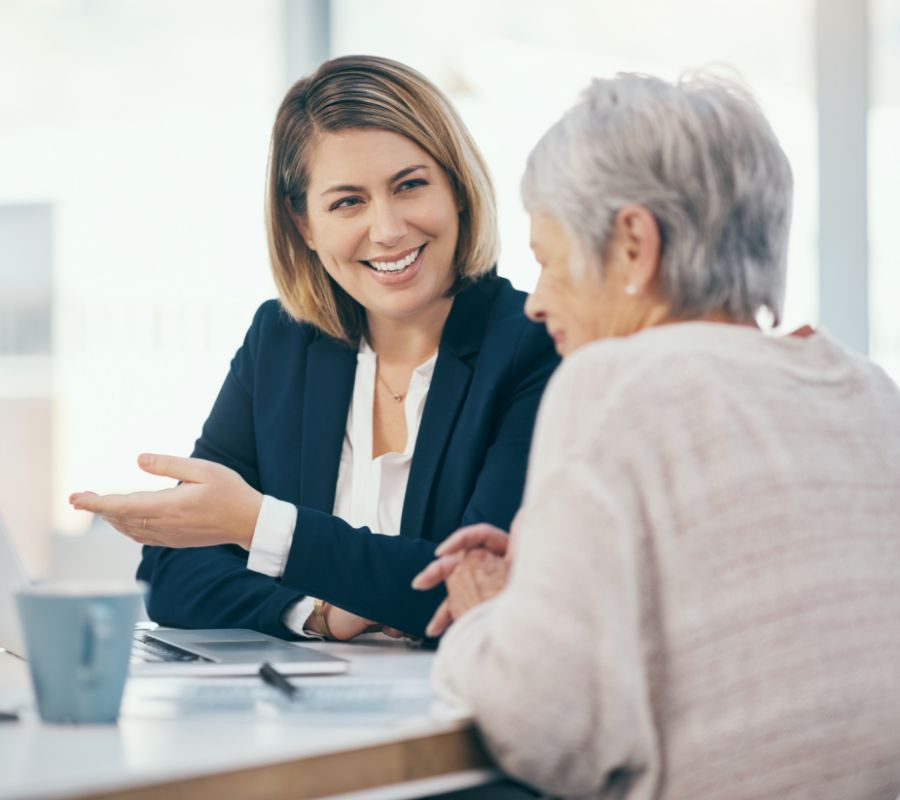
(701, 157)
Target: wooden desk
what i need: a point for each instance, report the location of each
(242, 754)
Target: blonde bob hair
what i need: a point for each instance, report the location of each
(376, 93)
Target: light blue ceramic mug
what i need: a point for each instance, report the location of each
(78, 641)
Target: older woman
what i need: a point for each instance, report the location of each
(704, 599)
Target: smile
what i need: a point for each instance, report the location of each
(395, 266)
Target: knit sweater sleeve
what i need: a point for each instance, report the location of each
(553, 669)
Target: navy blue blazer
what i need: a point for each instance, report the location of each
(279, 421)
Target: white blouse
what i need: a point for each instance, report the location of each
(369, 491)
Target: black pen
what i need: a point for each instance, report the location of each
(274, 678)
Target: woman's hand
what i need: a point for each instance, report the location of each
(479, 578)
(343, 625)
(212, 505)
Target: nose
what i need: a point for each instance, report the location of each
(387, 225)
(534, 306)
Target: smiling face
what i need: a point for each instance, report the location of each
(383, 220)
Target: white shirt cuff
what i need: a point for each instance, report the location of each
(297, 614)
(272, 537)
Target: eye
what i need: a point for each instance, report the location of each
(412, 183)
(344, 202)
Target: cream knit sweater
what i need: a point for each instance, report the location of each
(705, 598)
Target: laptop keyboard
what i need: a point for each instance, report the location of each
(146, 649)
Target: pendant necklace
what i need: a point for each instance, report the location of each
(398, 397)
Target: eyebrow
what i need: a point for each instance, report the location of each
(346, 187)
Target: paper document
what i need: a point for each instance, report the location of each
(357, 697)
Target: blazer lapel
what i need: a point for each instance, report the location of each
(327, 391)
(448, 389)
(460, 342)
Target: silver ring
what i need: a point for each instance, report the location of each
(144, 526)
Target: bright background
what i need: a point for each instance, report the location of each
(133, 137)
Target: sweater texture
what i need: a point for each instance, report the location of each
(705, 596)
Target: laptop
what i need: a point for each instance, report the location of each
(158, 652)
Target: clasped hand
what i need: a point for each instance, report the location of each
(474, 564)
(212, 505)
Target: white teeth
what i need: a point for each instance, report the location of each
(396, 266)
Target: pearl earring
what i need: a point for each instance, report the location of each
(631, 289)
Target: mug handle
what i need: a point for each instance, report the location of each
(97, 631)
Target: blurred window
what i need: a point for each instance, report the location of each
(145, 125)
(25, 280)
(513, 66)
(884, 186)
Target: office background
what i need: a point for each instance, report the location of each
(133, 139)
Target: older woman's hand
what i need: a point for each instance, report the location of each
(452, 553)
(453, 549)
(213, 505)
(478, 577)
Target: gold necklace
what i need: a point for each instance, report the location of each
(397, 397)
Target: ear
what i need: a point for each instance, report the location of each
(304, 232)
(638, 242)
(300, 222)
